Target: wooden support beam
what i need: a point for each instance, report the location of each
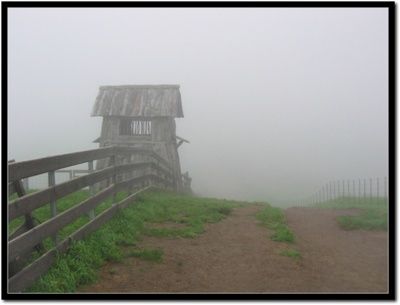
(181, 140)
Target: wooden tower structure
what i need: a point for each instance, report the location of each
(141, 116)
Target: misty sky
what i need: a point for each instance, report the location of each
(277, 101)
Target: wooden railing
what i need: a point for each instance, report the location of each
(28, 238)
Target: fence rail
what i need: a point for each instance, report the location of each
(27, 238)
(359, 190)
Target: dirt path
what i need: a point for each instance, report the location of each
(236, 255)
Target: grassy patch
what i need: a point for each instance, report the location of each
(374, 203)
(283, 233)
(369, 220)
(293, 253)
(271, 217)
(152, 255)
(274, 218)
(190, 211)
(374, 217)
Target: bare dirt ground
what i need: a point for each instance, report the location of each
(236, 256)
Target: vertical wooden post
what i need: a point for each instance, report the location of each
(365, 191)
(91, 189)
(114, 178)
(334, 189)
(343, 188)
(53, 206)
(354, 190)
(377, 190)
(370, 190)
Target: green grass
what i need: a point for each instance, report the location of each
(271, 217)
(78, 266)
(152, 255)
(373, 217)
(283, 233)
(190, 212)
(274, 218)
(292, 253)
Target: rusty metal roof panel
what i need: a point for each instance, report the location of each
(138, 101)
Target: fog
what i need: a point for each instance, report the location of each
(277, 101)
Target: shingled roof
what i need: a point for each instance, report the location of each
(139, 101)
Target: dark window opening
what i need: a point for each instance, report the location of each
(129, 127)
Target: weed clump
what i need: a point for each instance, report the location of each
(293, 253)
(283, 233)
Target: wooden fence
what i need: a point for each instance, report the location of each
(28, 238)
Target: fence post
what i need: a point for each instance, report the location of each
(329, 191)
(114, 178)
(91, 189)
(334, 190)
(365, 191)
(343, 189)
(53, 207)
(370, 190)
(348, 188)
(377, 190)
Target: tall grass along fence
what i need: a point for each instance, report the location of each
(358, 191)
(28, 255)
